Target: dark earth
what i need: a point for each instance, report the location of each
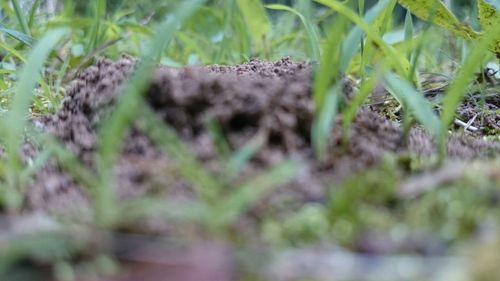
(248, 101)
(257, 101)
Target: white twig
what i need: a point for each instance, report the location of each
(468, 125)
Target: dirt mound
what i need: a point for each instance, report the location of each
(270, 100)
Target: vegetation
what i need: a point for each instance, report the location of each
(42, 51)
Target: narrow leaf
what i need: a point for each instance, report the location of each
(417, 104)
(19, 36)
(312, 33)
(248, 193)
(29, 77)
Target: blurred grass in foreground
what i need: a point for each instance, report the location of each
(40, 54)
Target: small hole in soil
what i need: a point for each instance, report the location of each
(241, 121)
(86, 109)
(275, 138)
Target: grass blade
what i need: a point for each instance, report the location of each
(312, 33)
(15, 120)
(29, 77)
(205, 185)
(404, 92)
(248, 193)
(408, 30)
(399, 62)
(114, 129)
(323, 123)
(351, 46)
(32, 14)
(348, 115)
(465, 75)
(21, 18)
(329, 69)
(244, 154)
(12, 51)
(19, 36)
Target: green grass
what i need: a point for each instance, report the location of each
(41, 54)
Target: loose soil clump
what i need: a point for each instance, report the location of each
(258, 99)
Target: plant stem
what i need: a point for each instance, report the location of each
(20, 17)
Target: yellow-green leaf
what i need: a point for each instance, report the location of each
(487, 13)
(436, 11)
(487, 16)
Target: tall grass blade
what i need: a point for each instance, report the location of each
(323, 124)
(113, 130)
(20, 17)
(409, 30)
(32, 13)
(312, 33)
(351, 46)
(99, 7)
(30, 74)
(329, 68)
(14, 122)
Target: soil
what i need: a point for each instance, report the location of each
(258, 98)
(486, 111)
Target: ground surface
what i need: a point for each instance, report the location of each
(258, 99)
(264, 103)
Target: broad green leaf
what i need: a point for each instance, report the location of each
(312, 33)
(494, 3)
(256, 19)
(487, 15)
(437, 11)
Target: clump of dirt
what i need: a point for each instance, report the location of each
(258, 98)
